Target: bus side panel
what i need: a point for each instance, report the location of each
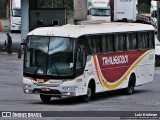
(145, 70)
(91, 74)
(115, 69)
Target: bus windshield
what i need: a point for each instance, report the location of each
(49, 56)
(100, 12)
(16, 12)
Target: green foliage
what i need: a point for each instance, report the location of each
(144, 8)
(69, 14)
(3, 5)
(50, 3)
(68, 4)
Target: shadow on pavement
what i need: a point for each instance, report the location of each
(77, 100)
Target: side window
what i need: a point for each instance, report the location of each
(131, 41)
(82, 51)
(94, 43)
(143, 40)
(107, 43)
(146, 40)
(120, 42)
(80, 42)
(151, 39)
(140, 41)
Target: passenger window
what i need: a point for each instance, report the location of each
(94, 43)
(131, 41)
(143, 40)
(151, 39)
(146, 40)
(107, 43)
(120, 42)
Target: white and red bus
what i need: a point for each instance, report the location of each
(83, 60)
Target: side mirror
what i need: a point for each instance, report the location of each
(20, 51)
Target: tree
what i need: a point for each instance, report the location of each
(144, 6)
(3, 7)
(50, 3)
(68, 4)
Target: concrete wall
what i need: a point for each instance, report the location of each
(30, 15)
(47, 17)
(80, 9)
(25, 18)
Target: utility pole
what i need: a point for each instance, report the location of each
(158, 19)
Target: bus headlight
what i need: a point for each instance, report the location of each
(26, 91)
(27, 86)
(66, 88)
(78, 80)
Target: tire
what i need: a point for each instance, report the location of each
(130, 89)
(45, 98)
(157, 62)
(88, 96)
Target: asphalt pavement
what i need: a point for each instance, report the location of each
(12, 98)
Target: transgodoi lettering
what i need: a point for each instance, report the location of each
(115, 60)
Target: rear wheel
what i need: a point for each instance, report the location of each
(130, 89)
(45, 98)
(157, 62)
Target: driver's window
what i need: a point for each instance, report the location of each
(82, 52)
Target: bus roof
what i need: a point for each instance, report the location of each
(75, 31)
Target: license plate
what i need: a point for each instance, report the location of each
(46, 89)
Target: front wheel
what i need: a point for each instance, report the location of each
(130, 89)
(87, 97)
(45, 98)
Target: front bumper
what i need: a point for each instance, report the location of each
(15, 27)
(61, 90)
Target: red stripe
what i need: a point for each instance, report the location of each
(96, 65)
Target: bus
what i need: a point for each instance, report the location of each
(82, 60)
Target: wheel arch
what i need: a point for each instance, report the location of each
(93, 84)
